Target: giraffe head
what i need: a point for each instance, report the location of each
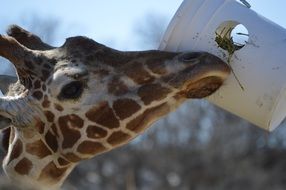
(83, 98)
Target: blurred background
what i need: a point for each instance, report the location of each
(198, 147)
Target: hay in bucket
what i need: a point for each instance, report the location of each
(225, 41)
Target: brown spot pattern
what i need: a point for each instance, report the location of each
(37, 84)
(63, 162)
(45, 74)
(71, 136)
(144, 120)
(95, 132)
(52, 141)
(51, 173)
(91, 148)
(152, 92)
(124, 108)
(22, 73)
(72, 157)
(117, 87)
(157, 66)
(103, 115)
(50, 116)
(46, 103)
(38, 148)
(108, 57)
(74, 120)
(58, 107)
(118, 138)
(24, 166)
(173, 80)
(29, 65)
(16, 151)
(137, 73)
(38, 95)
(69, 125)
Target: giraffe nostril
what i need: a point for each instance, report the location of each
(188, 57)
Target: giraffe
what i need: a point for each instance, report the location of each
(82, 99)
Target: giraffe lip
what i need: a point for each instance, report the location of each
(206, 82)
(207, 77)
(203, 87)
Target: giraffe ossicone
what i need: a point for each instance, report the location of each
(79, 100)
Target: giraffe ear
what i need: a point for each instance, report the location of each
(27, 39)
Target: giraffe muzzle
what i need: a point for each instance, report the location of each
(202, 74)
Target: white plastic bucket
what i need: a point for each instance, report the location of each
(260, 65)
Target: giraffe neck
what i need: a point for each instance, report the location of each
(31, 162)
(44, 156)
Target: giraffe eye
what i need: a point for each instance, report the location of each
(72, 90)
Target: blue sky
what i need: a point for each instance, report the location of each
(110, 21)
